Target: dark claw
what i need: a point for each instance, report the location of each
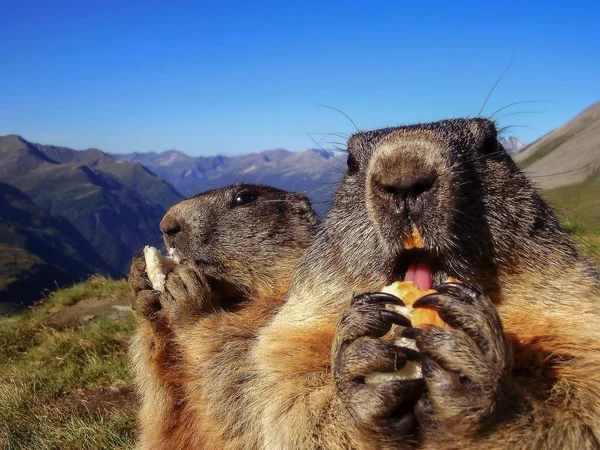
(376, 297)
(394, 317)
(412, 333)
(427, 301)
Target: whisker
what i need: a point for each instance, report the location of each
(330, 153)
(508, 127)
(559, 173)
(342, 113)
(519, 112)
(514, 104)
(494, 86)
(340, 135)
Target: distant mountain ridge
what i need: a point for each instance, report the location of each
(512, 144)
(314, 172)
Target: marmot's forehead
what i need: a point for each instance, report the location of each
(467, 131)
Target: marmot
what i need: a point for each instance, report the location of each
(521, 366)
(238, 247)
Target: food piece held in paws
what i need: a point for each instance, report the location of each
(409, 293)
(157, 267)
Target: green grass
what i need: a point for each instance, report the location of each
(578, 208)
(66, 388)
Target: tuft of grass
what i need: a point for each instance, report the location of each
(96, 286)
(66, 388)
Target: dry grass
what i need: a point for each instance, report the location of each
(69, 387)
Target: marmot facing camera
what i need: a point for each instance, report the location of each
(519, 366)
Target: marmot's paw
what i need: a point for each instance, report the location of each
(145, 300)
(466, 368)
(187, 295)
(384, 410)
(138, 279)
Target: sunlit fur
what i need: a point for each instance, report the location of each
(190, 354)
(488, 227)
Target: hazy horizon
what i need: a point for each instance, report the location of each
(233, 78)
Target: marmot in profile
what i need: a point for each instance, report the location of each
(521, 367)
(238, 247)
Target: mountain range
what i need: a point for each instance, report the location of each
(65, 214)
(512, 144)
(314, 172)
(114, 205)
(39, 250)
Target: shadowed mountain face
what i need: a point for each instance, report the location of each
(313, 172)
(39, 251)
(115, 205)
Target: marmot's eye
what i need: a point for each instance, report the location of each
(243, 198)
(352, 164)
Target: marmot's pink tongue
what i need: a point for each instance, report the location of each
(420, 273)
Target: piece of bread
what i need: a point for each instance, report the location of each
(409, 293)
(157, 267)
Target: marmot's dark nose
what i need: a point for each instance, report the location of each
(408, 195)
(169, 225)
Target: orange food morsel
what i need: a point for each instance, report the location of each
(408, 292)
(414, 240)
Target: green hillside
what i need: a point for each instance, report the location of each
(116, 205)
(578, 207)
(39, 251)
(64, 379)
(580, 203)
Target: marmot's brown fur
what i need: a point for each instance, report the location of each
(239, 247)
(520, 369)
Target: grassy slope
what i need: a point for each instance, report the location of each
(578, 207)
(68, 387)
(544, 150)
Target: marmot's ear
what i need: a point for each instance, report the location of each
(302, 207)
(486, 138)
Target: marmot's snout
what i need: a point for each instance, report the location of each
(405, 195)
(170, 224)
(179, 222)
(406, 192)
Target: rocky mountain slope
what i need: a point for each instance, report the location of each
(568, 155)
(115, 205)
(38, 250)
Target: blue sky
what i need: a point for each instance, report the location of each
(234, 77)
